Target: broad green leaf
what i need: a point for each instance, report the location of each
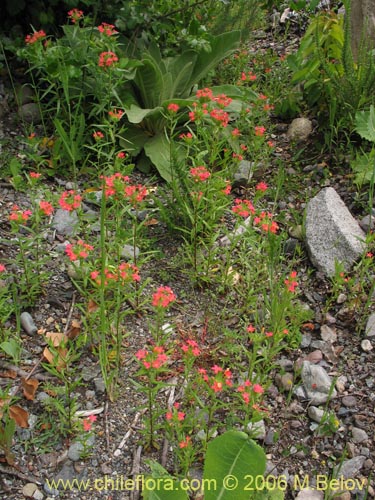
(158, 150)
(11, 347)
(149, 82)
(136, 114)
(165, 488)
(232, 459)
(181, 68)
(221, 47)
(365, 124)
(134, 139)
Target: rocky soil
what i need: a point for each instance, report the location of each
(336, 346)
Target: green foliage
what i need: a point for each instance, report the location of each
(334, 86)
(365, 124)
(363, 165)
(158, 82)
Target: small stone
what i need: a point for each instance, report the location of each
(370, 326)
(359, 435)
(286, 381)
(308, 494)
(349, 401)
(314, 356)
(29, 489)
(341, 298)
(257, 429)
(341, 383)
(299, 129)
(75, 451)
(106, 469)
(315, 413)
(349, 468)
(331, 320)
(306, 340)
(244, 173)
(317, 383)
(65, 222)
(30, 112)
(368, 464)
(99, 384)
(367, 223)
(366, 345)
(128, 252)
(328, 333)
(28, 324)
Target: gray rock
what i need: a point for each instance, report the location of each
(28, 324)
(90, 372)
(285, 382)
(308, 494)
(128, 251)
(257, 429)
(316, 414)
(30, 113)
(30, 490)
(370, 326)
(244, 173)
(367, 223)
(349, 401)
(25, 95)
(299, 129)
(75, 451)
(359, 435)
(332, 234)
(328, 334)
(317, 383)
(366, 345)
(349, 468)
(65, 222)
(99, 384)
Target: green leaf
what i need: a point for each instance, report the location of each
(365, 124)
(136, 114)
(11, 347)
(232, 459)
(134, 139)
(161, 486)
(158, 150)
(149, 82)
(221, 47)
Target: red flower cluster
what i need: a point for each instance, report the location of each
(243, 207)
(75, 15)
(188, 137)
(175, 416)
(290, 282)
(221, 116)
(222, 100)
(248, 77)
(118, 185)
(18, 215)
(2, 268)
(200, 174)
(107, 59)
(259, 131)
(125, 273)
(46, 207)
(191, 347)
(37, 35)
(70, 200)
(261, 186)
(116, 114)
(152, 359)
(220, 380)
(35, 175)
(87, 423)
(78, 251)
(247, 389)
(107, 29)
(163, 297)
(173, 108)
(265, 222)
(98, 135)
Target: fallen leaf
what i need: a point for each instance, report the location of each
(74, 330)
(151, 222)
(56, 338)
(29, 387)
(58, 359)
(92, 306)
(8, 374)
(19, 415)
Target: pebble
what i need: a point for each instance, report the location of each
(314, 356)
(317, 383)
(306, 340)
(128, 252)
(370, 326)
(359, 435)
(99, 384)
(341, 298)
(349, 401)
(285, 382)
(366, 345)
(257, 429)
(31, 490)
(28, 324)
(341, 383)
(349, 468)
(315, 413)
(65, 222)
(75, 451)
(310, 495)
(30, 112)
(328, 333)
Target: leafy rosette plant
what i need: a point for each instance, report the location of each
(160, 82)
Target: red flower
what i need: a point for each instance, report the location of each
(37, 35)
(78, 251)
(220, 116)
(35, 175)
(261, 186)
(191, 347)
(188, 137)
(70, 200)
(75, 15)
(259, 131)
(204, 94)
(222, 100)
(46, 207)
(98, 135)
(116, 114)
(152, 359)
(243, 207)
(173, 108)
(235, 132)
(200, 174)
(291, 284)
(107, 59)
(107, 29)
(258, 389)
(87, 423)
(121, 155)
(163, 297)
(185, 443)
(2, 268)
(18, 215)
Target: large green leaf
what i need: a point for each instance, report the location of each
(161, 486)
(221, 47)
(365, 124)
(159, 152)
(181, 69)
(149, 82)
(136, 114)
(232, 459)
(134, 139)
